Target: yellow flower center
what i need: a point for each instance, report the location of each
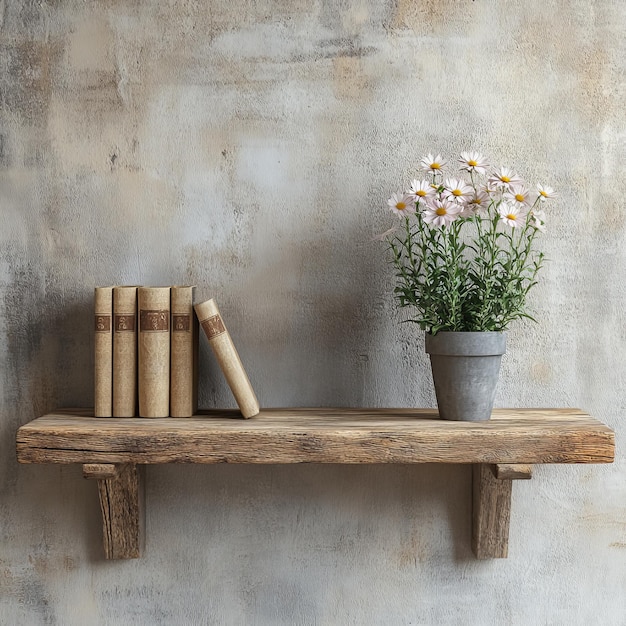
(510, 216)
(543, 193)
(441, 211)
(420, 193)
(457, 192)
(519, 197)
(472, 163)
(435, 166)
(505, 179)
(400, 206)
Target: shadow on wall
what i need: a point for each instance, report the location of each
(312, 307)
(48, 354)
(402, 514)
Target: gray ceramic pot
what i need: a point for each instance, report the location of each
(465, 370)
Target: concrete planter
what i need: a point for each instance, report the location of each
(465, 369)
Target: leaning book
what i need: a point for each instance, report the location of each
(226, 354)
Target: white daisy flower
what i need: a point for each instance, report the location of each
(512, 216)
(478, 201)
(519, 196)
(432, 164)
(441, 212)
(538, 219)
(473, 162)
(401, 204)
(504, 177)
(545, 192)
(491, 188)
(457, 190)
(420, 190)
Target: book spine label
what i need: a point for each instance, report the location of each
(103, 352)
(224, 349)
(154, 351)
(124, 351)
(184, 353)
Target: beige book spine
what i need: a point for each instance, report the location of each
(154, 351)
(184, 353)
(103, 352)
(124, 351)
(227, 357)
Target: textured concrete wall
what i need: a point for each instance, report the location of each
(249, 148)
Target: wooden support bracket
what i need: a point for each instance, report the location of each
(121, 492)
(491, 507)
(512, 471)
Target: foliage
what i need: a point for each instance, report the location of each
(465, 258)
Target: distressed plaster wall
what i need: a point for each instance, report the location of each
(249, 148)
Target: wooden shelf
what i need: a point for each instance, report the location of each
(501, 450)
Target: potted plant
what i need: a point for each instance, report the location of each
(465, 261)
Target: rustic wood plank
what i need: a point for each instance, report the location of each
(122, 506)
(513, 471)
(319, 435)
(501, 450)
(491, 513)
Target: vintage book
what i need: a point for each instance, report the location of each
(154, 351)
(184, 353)
(227, 357)
(124, 351)
(103, 352)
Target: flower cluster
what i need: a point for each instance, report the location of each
(443, 200)
(465, 260)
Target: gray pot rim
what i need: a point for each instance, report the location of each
(470, 343)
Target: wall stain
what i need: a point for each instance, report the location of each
(429, 15)
(412, 552)
(28, 68)
(4, 157)
(40, 563)
(69, 564)
(541, 372)
(349, 79)
(27, 17)
(343, 47)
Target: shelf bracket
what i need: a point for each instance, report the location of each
(121, 492)
(491, 507)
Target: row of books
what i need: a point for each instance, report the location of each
(146, 352)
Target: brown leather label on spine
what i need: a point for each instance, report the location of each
(154, 321)
(124, 323)
(213, 326)
(181, 323)
(103, 323)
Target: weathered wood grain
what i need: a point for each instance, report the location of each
(502, 449)
(512, 471)
(491, 513)
(122, 506)
(319, 435)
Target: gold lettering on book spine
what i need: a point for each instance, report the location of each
(124, 323)
(181, 323)
(103, 323)
(213, 326)
(154, 321)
